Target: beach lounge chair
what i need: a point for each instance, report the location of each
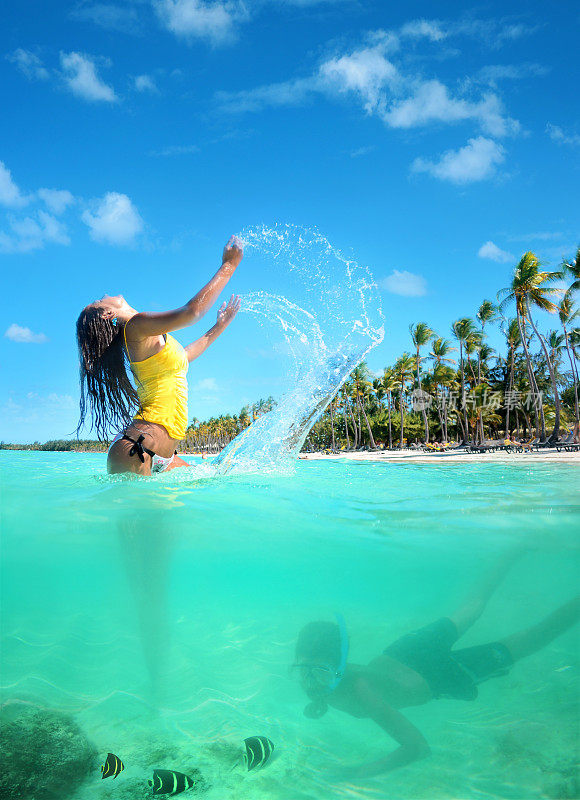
(529, 445)
(563, 443)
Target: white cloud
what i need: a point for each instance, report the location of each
(474, 162)
(206, 385)
(176, 150)
(196, 19)
(52, 229)
(109, 15)
(17, 333)
(494, 73)
(80, 75)
(287, 93)
(362, 151)
(365, 72)
(370, 75)
(10, 194)
(557, 134)
(494, 32)
(29, 64)
(541, 235)
(115, 221)
(511, 32)
(33, 233)
(405, 283)
(431, 102)
(57, 200)
(494, 253)
(145, 83)
(306, 3)
(38, 228)
(424, 28)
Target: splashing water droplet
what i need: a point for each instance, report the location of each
(335, 322)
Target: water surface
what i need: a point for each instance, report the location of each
(162, 613)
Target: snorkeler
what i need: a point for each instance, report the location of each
(419, 667)
(150, 418)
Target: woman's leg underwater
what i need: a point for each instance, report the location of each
(146, 546)
(530, 640)
(464, 617)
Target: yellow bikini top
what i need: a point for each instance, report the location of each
(162, 387)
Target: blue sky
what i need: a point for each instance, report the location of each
(139, 134)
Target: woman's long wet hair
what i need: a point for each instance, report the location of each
(106, 391)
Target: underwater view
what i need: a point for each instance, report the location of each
(289, 400)
(158, 620)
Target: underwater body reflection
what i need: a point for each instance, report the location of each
(164, 616)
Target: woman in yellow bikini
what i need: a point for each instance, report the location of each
(150, 417)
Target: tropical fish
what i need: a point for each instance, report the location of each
(258, 752)
(167, 781)
(112, 766)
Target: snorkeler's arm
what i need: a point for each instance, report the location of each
(225, 315)
(144, 325)
(413, 745)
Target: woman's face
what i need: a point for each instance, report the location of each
(114, 305)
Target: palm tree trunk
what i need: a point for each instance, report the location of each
(465, 422)
(366, 419)
(355, 429)
(390, 428)
(425, 420)
(346, 427)
(441, 422)
(359, 418)
(556, 431)
(461, 427)
(531, 377)
(480, 430)
(332, 425)
(510, 384)
(401, 410)
(574, 378)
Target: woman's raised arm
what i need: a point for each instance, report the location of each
(144, 325)
(225, 315)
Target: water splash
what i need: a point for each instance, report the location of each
(330, 325)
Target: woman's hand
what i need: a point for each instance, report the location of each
(227, 311)
(233, 252)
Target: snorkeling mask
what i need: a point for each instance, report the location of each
(324, 678)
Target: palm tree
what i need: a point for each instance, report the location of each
(331, 406)
(555, 342)
(463, 329)
(516, 291)
(389, 382)
(445, 378)
(442, 374)
(571, 269)
(403, 370)
(528, 288)
(421, 334)
(361, 387)
(441, 349)
(513, 339)
(487, 312)
(567, 316)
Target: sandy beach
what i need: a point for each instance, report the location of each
(420, 457)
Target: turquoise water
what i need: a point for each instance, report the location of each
(162, 614)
